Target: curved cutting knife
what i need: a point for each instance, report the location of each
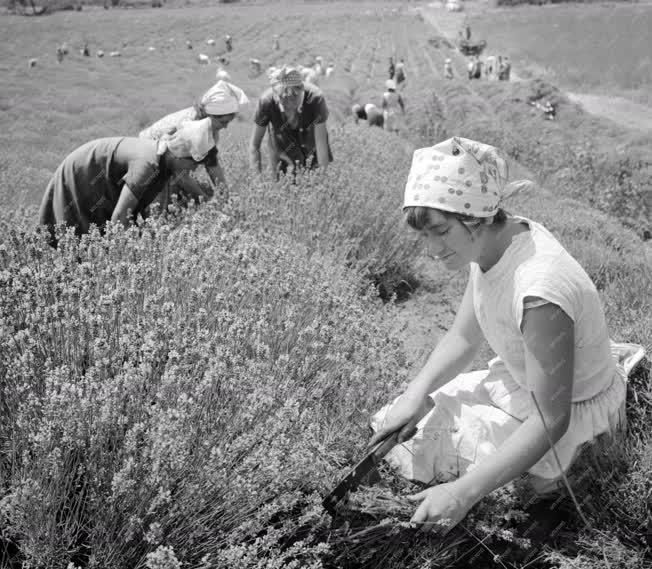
(359, 471)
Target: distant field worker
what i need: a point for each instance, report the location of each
(370, 113)
(466, 31)
(491, 68)
(228, 42)
(294, 114)
(393, 108)
(277, 43)
(359, 113)
(549, 110)
(255, 68)
(319, 65)
(448, 68)
(400, 74)
(220, 104)
(475, 67)
(330, 70)
(392, 68)
(558, 382)
(115, 179)
(309, 75)
(504, 69)
(375, 116)
(222, 74)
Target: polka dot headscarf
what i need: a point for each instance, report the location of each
(461, 176)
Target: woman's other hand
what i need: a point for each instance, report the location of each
(442, 507)
(403, 416)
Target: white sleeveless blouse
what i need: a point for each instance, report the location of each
(535, 264)
(477, 411)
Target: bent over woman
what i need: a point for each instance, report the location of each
(116, 179)
(221, 104)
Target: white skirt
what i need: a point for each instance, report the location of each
(393, 120)
(477, 411)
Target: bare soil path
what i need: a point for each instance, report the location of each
(617, 109)
(423, 319)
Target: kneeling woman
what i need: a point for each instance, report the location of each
(115, 179)
(557, 377)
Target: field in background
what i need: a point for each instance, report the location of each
(602, 49)
(228, 353)
(58, 107)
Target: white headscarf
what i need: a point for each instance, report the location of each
(224, 98)
(222, 74)
(461, 176)
(193, 139)
(286, 76)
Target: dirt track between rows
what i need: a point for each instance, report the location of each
(617, 109)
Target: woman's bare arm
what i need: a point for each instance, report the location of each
(321, 142)
(216, 175)
(127, 203)
(548, 334)
(257, 136)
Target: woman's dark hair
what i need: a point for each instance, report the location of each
(417, 216)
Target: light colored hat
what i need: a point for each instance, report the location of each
(369, 107)
(461, 176)
(286, 76)
(224, 98)
(448, 60)
(390, 84)
(223, 74)
(193, 139)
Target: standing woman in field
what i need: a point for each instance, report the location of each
(116, 179)
(504, 68)
(220, 104)
(393, 108)
(294, 115)
(448, 68)
(400, 74)
(556, 374)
